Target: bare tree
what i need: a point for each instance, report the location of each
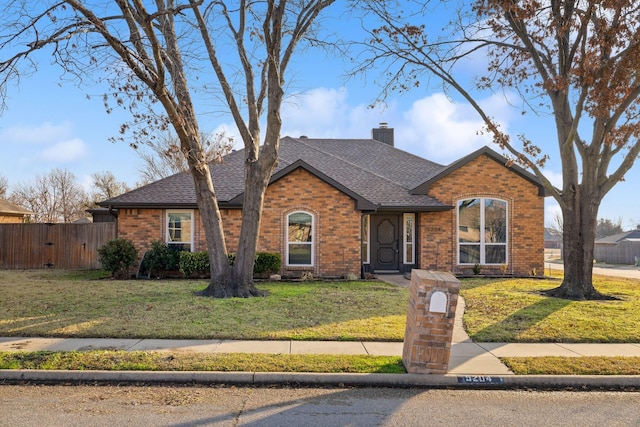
(4, 186)
(105, 186)
(555, 226)
(606, 227)
(162, 157)
(158, 52)
(577, 59)
(55, 197)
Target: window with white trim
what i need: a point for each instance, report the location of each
(180, 229)
(300, 239)
(482, 231)
(408, 234)
(366, 220)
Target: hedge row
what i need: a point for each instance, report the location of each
(119, 255)
(196, 264)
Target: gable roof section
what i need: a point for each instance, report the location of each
(9, 208)
(371, 169)
(423, 188)
(361, 203)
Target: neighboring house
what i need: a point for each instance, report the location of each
(102, 215)
(11, 214)
(622, 248)
(552, 240)
(338, 207)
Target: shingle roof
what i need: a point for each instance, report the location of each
(11, 209)
(375, 174)
(627, 235)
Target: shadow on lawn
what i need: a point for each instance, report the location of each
(511, 327)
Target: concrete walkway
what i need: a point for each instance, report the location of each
(466, 357)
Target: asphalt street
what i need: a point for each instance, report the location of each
(310, 407)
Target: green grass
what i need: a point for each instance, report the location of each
(513, 310)
(51, 303)
(573, 365)
(226, 362)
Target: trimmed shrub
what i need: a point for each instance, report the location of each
(117, 256)
(194, 264)
(162, 258)
(267, 263)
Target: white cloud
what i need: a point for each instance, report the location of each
(316, 113)
(326, 113)
(43, 133)
(440, 130)
(64, 151)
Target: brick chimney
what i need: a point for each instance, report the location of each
(383, 134)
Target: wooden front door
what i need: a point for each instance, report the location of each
(386, 233)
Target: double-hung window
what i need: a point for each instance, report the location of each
(482, 231)
(180, 229)
(300, 239)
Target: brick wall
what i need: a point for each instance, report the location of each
(337, 223)
(484, 177)
(336, 234)
(11, 219)
(141, 226)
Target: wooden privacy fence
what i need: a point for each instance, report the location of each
(62, 246)
(624, 252)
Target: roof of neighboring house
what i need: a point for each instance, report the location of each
(552, 235)
(8, 208)
(633, 235)
(375, 174)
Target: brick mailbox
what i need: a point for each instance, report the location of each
(433, 296)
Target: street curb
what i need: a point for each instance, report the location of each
(545, 382)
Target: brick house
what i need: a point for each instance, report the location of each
(12, 214)
(337, 207)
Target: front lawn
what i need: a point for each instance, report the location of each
(51, 303)
(513, 310)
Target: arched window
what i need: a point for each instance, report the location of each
(300, 239)
(482, 231)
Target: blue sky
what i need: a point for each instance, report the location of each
(51, 123)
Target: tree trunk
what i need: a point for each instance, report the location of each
(221, 283)
(256, 184)
(580, 219)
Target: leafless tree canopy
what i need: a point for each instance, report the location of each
(575, 59)
(55, 197)
(4, 186)
(162, 157)
(105, 186)
(154, 55)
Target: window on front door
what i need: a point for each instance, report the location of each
(365, 238)
(408, 238)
